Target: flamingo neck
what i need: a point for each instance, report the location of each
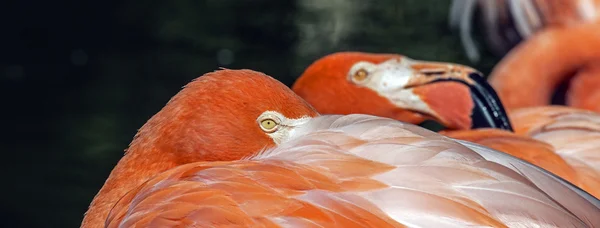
(159, 146)
(531, 72)
(139, 164)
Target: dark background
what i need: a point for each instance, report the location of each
(78, 78)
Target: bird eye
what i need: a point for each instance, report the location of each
(360, 75)
(268, 125)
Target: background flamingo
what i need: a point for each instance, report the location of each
(505, 23)
(558, 49)
(531, 73)
(398, 87)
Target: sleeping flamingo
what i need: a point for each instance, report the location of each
(203, 122)
(238, 148)
(398, 87)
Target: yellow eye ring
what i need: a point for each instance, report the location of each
(269, 125)
(360, 75)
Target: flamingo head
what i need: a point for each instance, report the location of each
(224, 115)
(398, 87)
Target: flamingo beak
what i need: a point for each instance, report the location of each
(457, 96)
(488, 111)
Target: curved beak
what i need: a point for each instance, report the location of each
(458, 96)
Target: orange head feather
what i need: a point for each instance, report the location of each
(398, 87)
(214, 117)
(324, 85)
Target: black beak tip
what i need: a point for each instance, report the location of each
(477, 77)
(490, 111)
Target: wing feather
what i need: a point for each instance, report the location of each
(580, 203)
(574, 134)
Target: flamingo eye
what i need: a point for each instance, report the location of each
(269, 125)
(360, 75)
(277, 126)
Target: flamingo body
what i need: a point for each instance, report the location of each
(523, 147)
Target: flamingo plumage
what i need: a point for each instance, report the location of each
(573, 133)
(250, 161)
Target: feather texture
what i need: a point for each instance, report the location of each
(359, 171)
(574, 134)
